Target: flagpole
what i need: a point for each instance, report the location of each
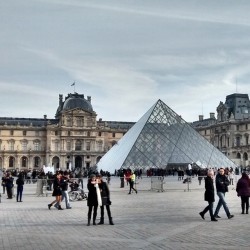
(74, 84)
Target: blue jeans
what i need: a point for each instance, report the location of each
(223, 203)
(65, 196)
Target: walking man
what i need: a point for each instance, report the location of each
(222, 184)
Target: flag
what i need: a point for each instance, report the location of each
(73, 84)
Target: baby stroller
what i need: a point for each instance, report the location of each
(76, 193)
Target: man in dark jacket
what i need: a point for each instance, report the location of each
(222, 183)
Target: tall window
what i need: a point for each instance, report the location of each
(78, 145)
(69, 122)
(24, 145)
(24, 162)
(89, 122)
(56, 146)
(36, 145)
(68, 146)
(113, 134)
(11, 162)
(11, 132)
(237, 141)
(11, 145)
(99, 146)
(79, 122)
(36, 161)
(88, 146)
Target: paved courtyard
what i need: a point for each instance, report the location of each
(147, 220)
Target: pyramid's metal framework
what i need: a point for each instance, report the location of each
(161, 137)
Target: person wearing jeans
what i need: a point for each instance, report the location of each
(64, 186)
(222, 184)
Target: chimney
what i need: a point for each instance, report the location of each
(212, 115)
(89, 98)
(45, 117)
(100, 119)
(60, 100)
(200, 117)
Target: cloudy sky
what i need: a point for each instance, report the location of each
(125, 54)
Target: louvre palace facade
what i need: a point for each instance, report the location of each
(229, 131)
(76, 139)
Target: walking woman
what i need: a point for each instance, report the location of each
(57, 192)
(19, 183)
(93, 194)
(243, 190)
(209, 195)
(132, 182)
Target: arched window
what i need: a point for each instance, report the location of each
(245, 156)
(37, 162)
(238, 156)
(24, 162)
(11, 162)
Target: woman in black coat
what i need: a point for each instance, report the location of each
(209, 195)
(105, 195)
(57, 191)
(92, 198)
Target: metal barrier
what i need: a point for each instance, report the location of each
(42, 187)
(157, 183)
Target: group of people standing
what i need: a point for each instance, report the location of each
(8, 185)
(222, 182)
(98, 196)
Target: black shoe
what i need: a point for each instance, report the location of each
(213, 219)
(49, 206)
(230, 216)
(217, 217)
(202, 215)
(129, 193)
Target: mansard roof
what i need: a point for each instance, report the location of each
(36, 122)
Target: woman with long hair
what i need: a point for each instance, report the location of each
(57, 191)
(93, 195)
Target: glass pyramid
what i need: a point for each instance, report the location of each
(161, 138)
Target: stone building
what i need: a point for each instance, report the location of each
(74, 139)
(230, 131)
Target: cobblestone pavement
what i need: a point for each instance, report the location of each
(147, 220)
